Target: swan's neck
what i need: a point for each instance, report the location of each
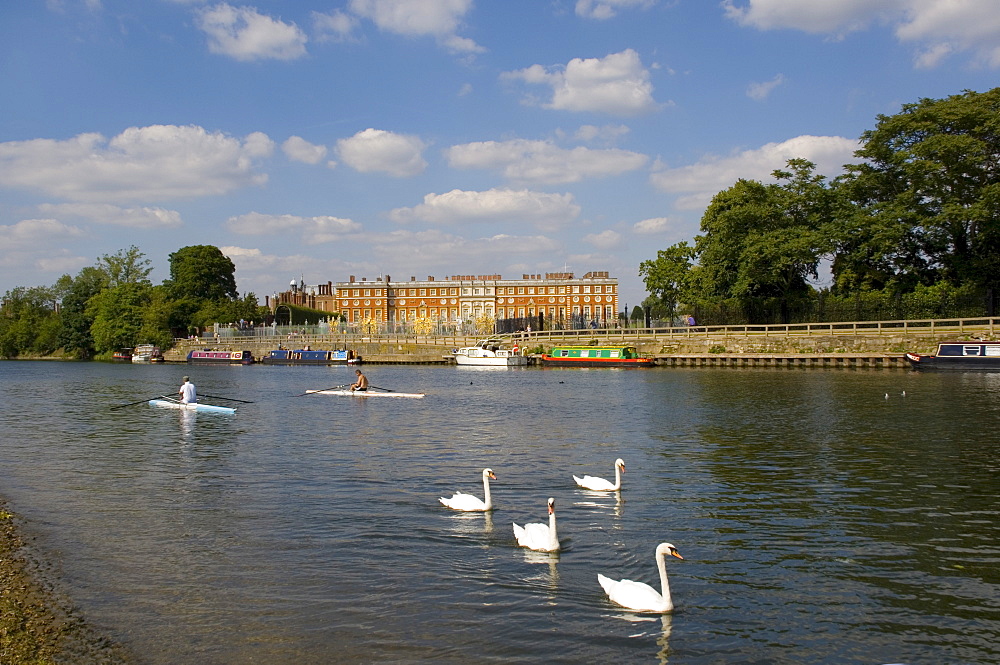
(486, 492)
(661, 563)
(553, 536)
(618, 477)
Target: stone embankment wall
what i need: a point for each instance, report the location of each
(691, 343)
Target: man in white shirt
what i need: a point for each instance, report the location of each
(187, 392)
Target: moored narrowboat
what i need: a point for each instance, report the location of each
(310, 357)
(206, 356)
(976, 354)
(595, 356)
(122, 355)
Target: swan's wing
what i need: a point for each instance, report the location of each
(633, 595)
(594, 483)
(462, 501)
(519, 535)
(533, 536)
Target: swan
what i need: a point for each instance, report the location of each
(470, 503)
(600, 484)
(640, 596)
(539, 537)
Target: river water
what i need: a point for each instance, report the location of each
(824, 516)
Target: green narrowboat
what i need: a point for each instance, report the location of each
(595, 356)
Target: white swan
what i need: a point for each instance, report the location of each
(600, 484)
(640, 596)
(470, 503)
(539, 537)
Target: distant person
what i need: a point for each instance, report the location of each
(361, 383)
(690, 321)
(187, 392)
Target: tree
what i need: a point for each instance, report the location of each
(75, 336)
(126, 266)
(764, 242)
(29, 323)
(668, 276)
(927, 196)
(118, 315)
(202, 272)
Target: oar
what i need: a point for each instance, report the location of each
(231, 399)
(142, 401)
(313, 392)
(380, 388)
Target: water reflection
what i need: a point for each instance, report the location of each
(820, 522)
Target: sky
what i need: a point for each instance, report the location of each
(314, 140)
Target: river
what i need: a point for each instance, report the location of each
(824, 516)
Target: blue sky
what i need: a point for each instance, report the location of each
(317, 140)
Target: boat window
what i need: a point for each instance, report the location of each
(973, 350)
(950, 350)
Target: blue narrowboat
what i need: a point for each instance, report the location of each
(310, 357)
(975, 354)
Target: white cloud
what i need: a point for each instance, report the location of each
(440, 19)
(415, 252)
(605, 9)
(940, 28)
(761, 91)
(256, 270)
(937, 28)
(542, 162)
(318, 229)
(605, 240)
(298, 149)
(337, 26)
(607, 134)
(104, 213)
(243, 34)
(816, 16)
(698, 183)
(617, 84)
(496, 206)
(30, 232)
(30, 245)
(652, 225)
(376, 150)
(159, 162)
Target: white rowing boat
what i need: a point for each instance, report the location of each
(197, 406)
(363, 393)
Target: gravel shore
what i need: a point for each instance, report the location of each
(38, 625)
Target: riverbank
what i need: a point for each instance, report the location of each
(38, 625)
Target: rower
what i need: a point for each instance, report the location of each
(361, 384)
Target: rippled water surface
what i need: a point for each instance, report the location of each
(823, 515)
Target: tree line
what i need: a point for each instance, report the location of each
(113, 305)
(912, 230)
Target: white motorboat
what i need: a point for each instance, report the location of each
(490, 352)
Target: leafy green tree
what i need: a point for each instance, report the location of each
(668, 276)
(75, 336)
(126, 266)
(202, 272)
(763, 242)
(118, 315)
(29, 323)
(927, 197)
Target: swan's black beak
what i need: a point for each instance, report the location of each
(675, 553)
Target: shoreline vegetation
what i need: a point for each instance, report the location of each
(38, 624)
